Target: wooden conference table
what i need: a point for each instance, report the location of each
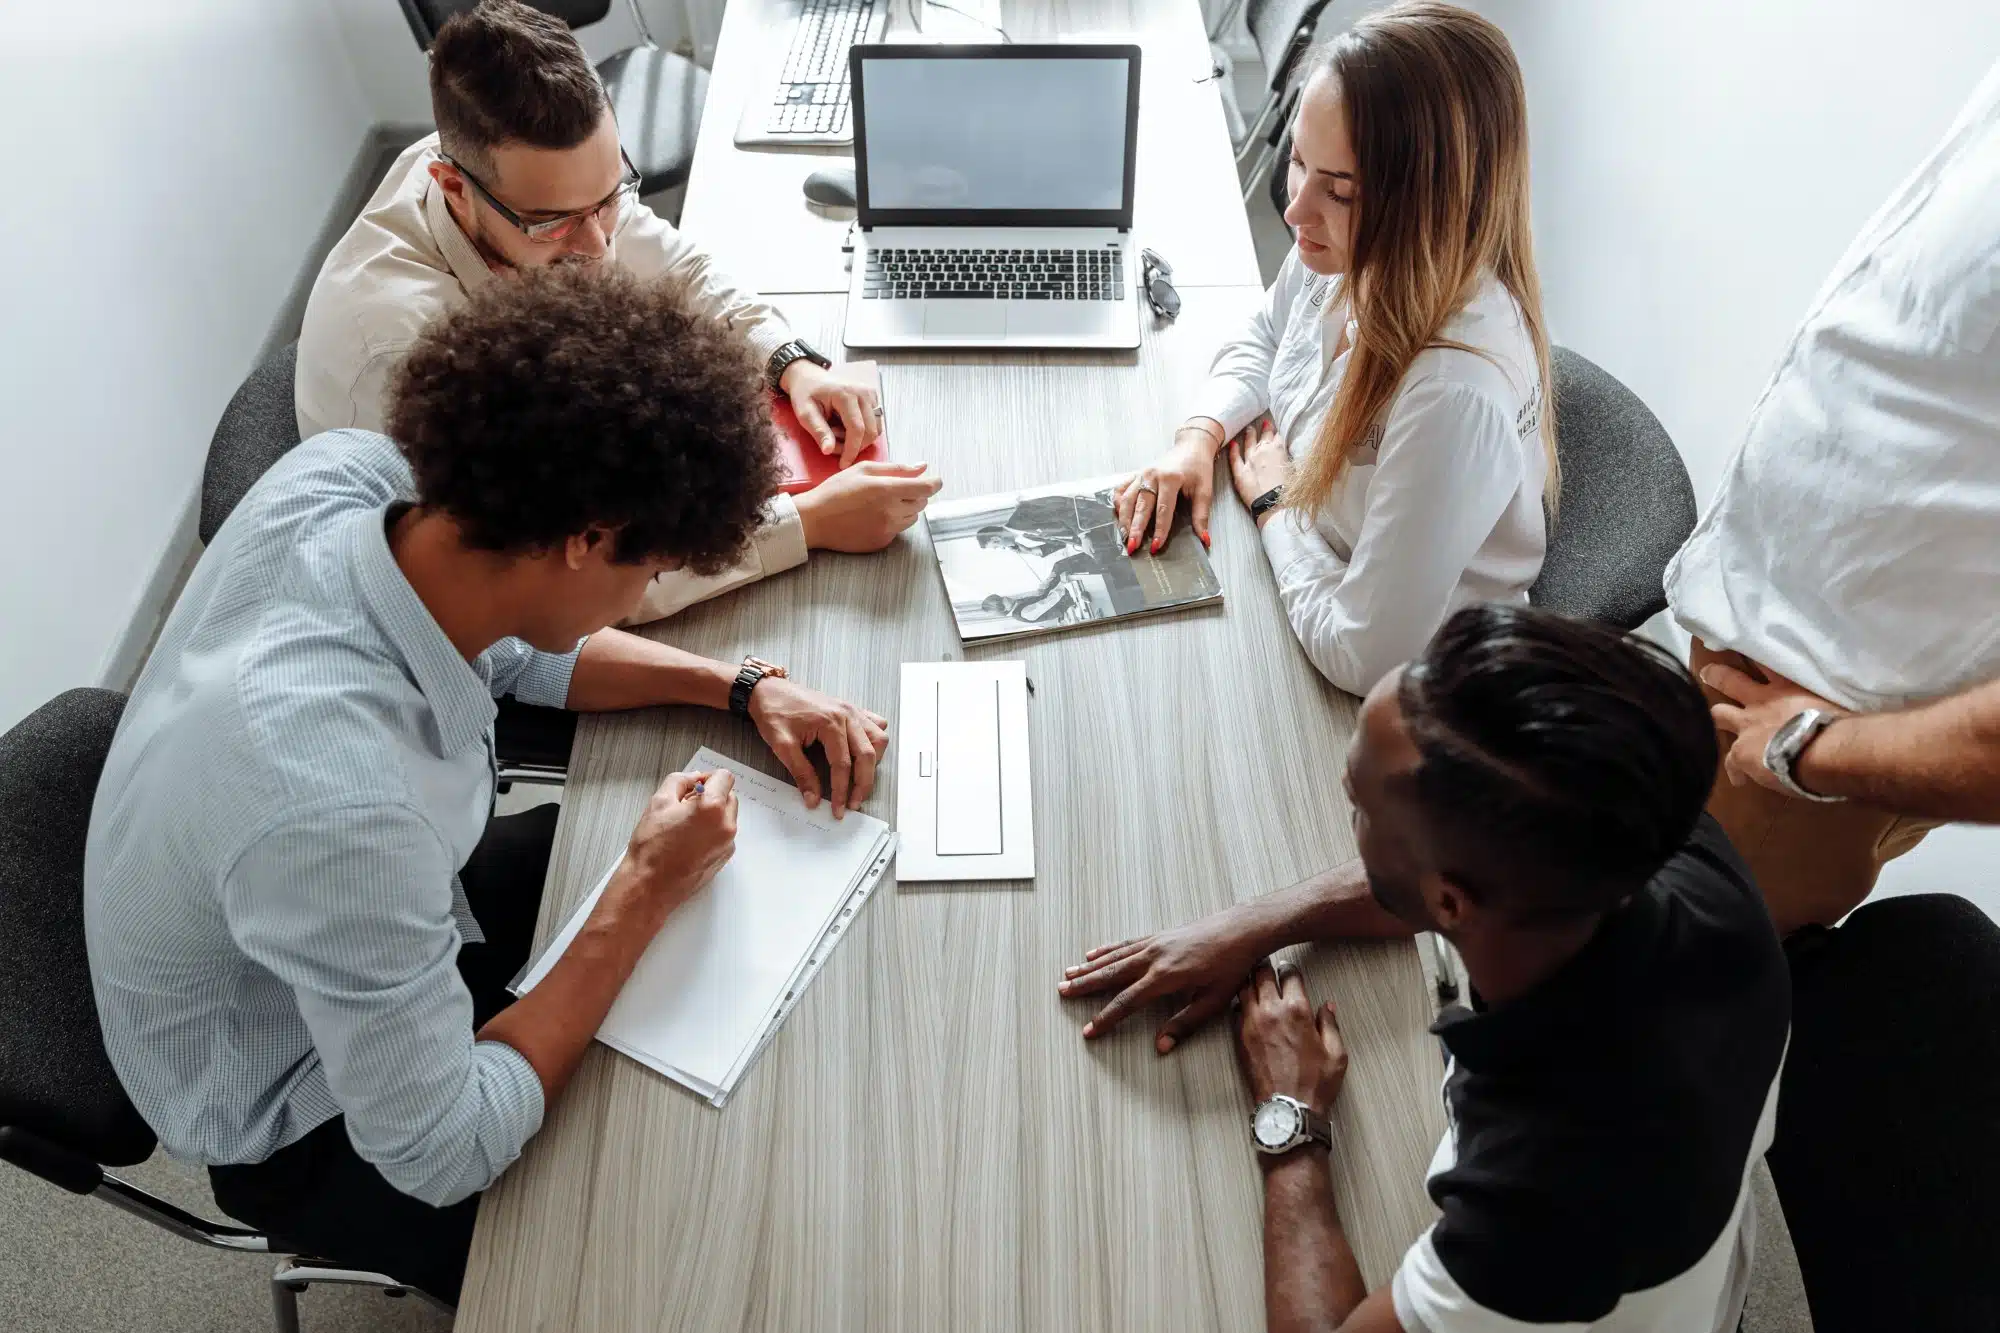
(930, 1143)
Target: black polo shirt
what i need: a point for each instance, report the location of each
(1602, 1127)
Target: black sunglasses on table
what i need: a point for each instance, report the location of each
(1156, 284)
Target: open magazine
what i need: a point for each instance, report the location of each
(1031, 562)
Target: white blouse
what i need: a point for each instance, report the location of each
(1439, 508)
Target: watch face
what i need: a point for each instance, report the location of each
(1275, 1124)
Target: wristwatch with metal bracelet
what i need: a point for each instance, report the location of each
(798, 349)
(754, 670)
(1788, 742)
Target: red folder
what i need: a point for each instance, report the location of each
(805, 466)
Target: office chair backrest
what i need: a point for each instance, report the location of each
(1884, 1159)
(427, 16)
(55, 1079)
(260, 426)
(1627, 504)
(1282, 31)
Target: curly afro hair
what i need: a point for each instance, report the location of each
(578, 397)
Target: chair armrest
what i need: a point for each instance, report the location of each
(58, 1165)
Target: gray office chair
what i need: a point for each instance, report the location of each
(259, 427)
(1626, 504)
(63, 1114)
(1282, 31)
(656, 94)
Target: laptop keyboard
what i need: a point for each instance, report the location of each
(812, 93)
(1027, 275)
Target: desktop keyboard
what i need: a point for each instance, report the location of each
(811, 100)
(1028, 275)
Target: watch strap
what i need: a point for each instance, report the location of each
(1319, 1129)
(1266, 502)
(747, 679)
(798, 349)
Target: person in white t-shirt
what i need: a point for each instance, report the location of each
(1850, 562)
(1386, 409)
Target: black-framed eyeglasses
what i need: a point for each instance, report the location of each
(550, 230)
(1156, 283)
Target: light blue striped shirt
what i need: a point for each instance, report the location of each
(271, 893)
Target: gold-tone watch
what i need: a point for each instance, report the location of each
(754, 669)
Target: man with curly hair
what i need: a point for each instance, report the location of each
(526, 171)
(301, 920)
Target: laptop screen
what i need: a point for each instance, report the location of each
(1008, 135)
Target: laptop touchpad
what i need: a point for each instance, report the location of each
(965, 319)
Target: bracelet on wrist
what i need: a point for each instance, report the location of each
(1212, 438)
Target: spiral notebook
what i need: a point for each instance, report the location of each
(719, 979)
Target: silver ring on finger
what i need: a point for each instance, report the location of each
(1148, 487)
(880, 414)
(1282, 968)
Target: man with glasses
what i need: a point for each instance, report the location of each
(525, 171)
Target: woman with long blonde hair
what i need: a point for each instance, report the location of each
(1387, 409)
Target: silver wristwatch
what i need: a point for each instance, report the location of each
(1281, 1123)
(1788, 742)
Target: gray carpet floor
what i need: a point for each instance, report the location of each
(76, 1265)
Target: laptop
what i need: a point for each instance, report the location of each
(994, 196)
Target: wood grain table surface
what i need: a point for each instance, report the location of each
(929, 1143)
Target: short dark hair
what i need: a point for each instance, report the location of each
(1563, 762)
(507, 73)
(576, 396)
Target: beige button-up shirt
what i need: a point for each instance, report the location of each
(405, 261)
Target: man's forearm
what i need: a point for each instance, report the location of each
(1938, 761)
(553, 1024)
(1335, 904)
(619, 670)
(1311, 1281)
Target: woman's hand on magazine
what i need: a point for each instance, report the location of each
(1148, 498)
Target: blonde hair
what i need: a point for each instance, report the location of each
(1439, 123)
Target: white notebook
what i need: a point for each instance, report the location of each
(710, 991)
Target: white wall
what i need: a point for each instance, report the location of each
(170, 166)
(1699, 166)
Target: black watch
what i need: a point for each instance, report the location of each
(798, 349)
(754, 670)
(1266, 502)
